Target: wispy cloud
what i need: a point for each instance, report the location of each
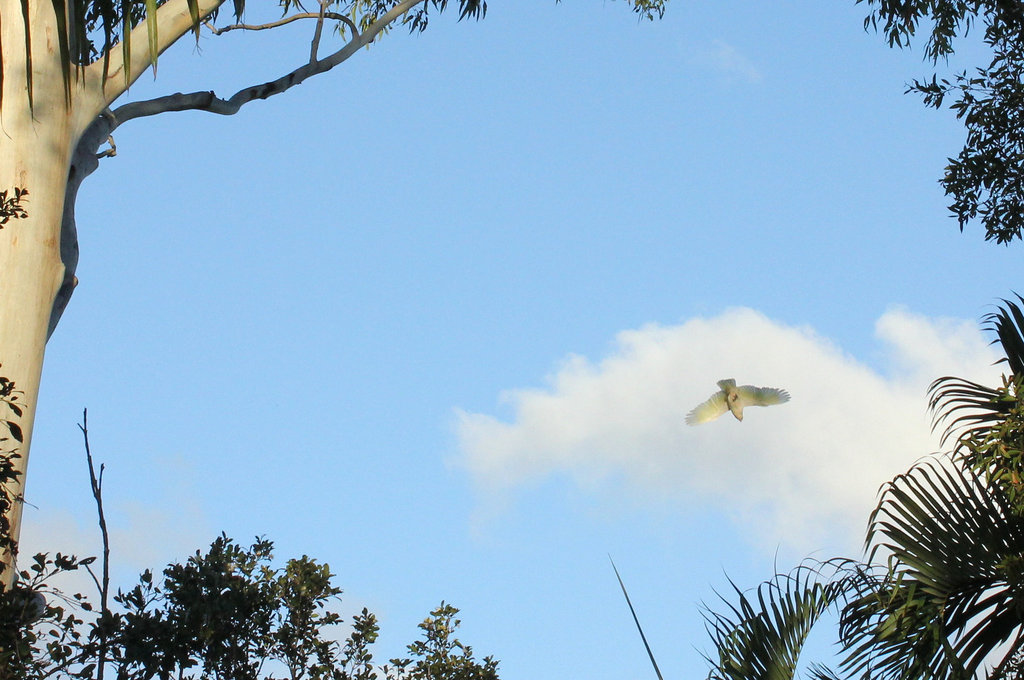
(168, 526)
(793, 473)
(726, 60)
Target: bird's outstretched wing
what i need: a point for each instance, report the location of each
(762, 396)
(709, 410)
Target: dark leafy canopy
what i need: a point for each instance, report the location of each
(986, 179)
(224, 614)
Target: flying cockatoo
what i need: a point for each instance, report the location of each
(732, 398)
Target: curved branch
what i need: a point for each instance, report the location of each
(85, 159)
(209, 101)
(84, 162)
(283, 21)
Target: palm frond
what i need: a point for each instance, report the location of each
(1008, 323)
(971, 411)
(950, 597)
(977, 408)
(761, 637)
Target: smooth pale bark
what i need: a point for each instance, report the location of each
(50, 148)
(37, 147)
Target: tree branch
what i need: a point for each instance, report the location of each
(334, 16)
(96, 481)
(210, 102)
(85, 159)
(314, 47)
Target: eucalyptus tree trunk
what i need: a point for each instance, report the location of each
(54, 116)
(35, 150)
(47, 106)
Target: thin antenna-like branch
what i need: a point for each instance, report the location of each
(96, 482)
(632, 611)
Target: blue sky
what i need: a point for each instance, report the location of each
(436, 317)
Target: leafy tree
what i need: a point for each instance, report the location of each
(65, 66)
(228, 613)
(986, 179)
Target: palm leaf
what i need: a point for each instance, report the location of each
(761, 637)
(949, 599)
(1008, 323)
(969, 410)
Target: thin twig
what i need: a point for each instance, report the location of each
(285, 20)
(97, 493)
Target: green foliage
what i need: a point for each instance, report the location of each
(227, 614)
(439, 656)
(8, 456)
(949, 598)
(901, 20)
(11, 207)
(986, 179)
(988, 423)
(762, 637)
(39, 638)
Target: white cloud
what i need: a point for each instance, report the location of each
(795, 474)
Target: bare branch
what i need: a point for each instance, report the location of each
(96, 482)
(315, 45)
(334, 16)
(210, 102)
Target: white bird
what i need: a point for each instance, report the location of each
(732, 398)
